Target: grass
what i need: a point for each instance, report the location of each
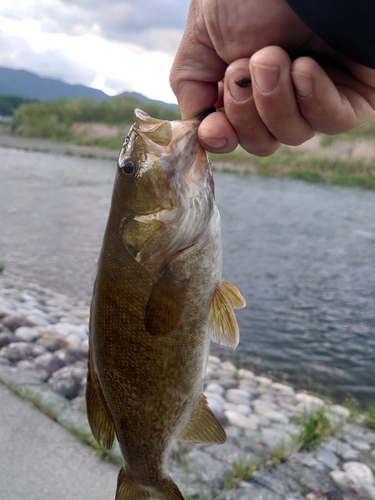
(315, 429)
(369, 417)
(2, 267)
(366, 131)
(242, 470)
(299, 165)
(54, 119)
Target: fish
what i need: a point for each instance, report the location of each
(158, 300)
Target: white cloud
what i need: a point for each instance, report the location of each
(140, 64)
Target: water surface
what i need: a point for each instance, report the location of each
(303, 256)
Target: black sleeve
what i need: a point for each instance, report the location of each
(348, 26)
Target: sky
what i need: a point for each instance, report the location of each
(111, 45)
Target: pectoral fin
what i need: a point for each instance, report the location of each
(165, 305)
(98, 413)
(223, 324)
(203, 426)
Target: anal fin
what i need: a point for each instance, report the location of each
(203, 426)
(98, 413)
(127, 490)
(223, 324)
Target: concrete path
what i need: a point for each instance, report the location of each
(40, 460)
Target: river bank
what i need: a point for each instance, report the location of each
(268, 453)
(341, 161)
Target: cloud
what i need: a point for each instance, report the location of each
(134, 21)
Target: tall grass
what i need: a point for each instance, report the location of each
(53, 119)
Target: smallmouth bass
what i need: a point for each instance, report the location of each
(158, 300)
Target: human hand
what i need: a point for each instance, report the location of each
(236, 43)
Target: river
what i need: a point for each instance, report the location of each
(302, 254)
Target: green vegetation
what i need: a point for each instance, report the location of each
(2, 267)
(9, 103)
(242, 470)
(55, 119)
(315, 429)
(365, 131)
(369, 417)
(300, 165)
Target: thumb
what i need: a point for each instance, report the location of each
(195, 74)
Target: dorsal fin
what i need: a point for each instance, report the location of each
(223, 324)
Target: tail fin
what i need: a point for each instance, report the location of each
(126, 490)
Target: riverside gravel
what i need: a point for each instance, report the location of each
(43, 357)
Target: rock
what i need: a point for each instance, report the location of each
(52, 342)
(275, 438)
(337, 415)
(233, 432)
(21, 350)
(240, 420)
(215, 402)
(308, 403)
(238, 397)
(242, 409)
(215, 388)
(37, 319)
(7, 338)
(228, 366)
(36, 371)
(14, 321)
(65, 383)
(225, 453)
(65, 329)
(327, 457)
(26, 334)
(79, 403)
(352, 487)
(246, 374)
(207, 468)
(282, 388)
(360, 471)
(270, 411)
(264, 381)
(49, 362)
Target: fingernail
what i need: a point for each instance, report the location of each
(214, 142)
(266, 77)
(303, 83)
(240, 86)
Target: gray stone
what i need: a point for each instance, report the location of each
(52, 341)
(276, 438)
(15, 321)
(26, 334)
(251, 491)
(242, 409)
(49, 362)
(264, 381)
(7, 338)
(233, 432)
(17, 351)
(240, 420)
(269, 410)
(215, 402)
(215, 387)
(352, 487)
(308, 403)
(225, 453)
(361, 471)
(246, 374)
(282, 388)
(207, 468)
(238, 397)
(327, 457)
(14, 377)
(36, 371)
(341, 449)
(37, 319)
(64, 383)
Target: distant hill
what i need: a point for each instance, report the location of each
(21, 83)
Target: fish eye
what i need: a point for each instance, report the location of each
(128, 168)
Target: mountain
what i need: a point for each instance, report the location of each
(22, 83)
